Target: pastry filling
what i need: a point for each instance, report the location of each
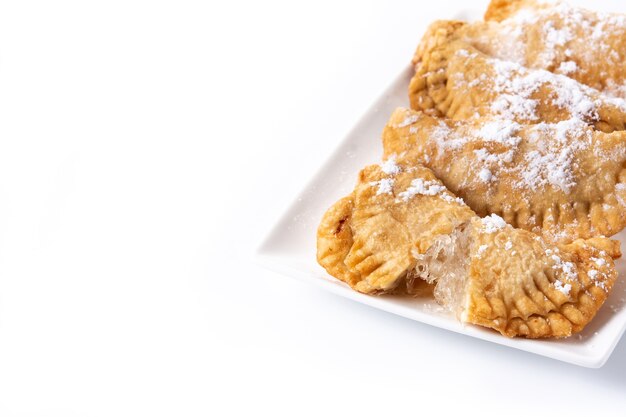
(446, 263)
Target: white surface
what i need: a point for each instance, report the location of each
(145, 149)
(290, 247)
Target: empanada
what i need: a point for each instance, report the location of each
(401, 229)
(587, 46)
(563, 179)
(455, 80)
(514, 282)
(370, 238)
(523, 117)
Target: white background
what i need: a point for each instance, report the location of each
(146, 147)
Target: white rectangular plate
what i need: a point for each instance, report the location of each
(290, 249)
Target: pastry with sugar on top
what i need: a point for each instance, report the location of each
(369, 239)
(401, 230)
(587, 46)
(456, 80)
(512, 281)
(563, 180)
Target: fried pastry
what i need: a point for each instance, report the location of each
(498, 189)
(370, 238)
(512, 281)
(455, 80)
(401, 230)
(587, 46)
(563, 180)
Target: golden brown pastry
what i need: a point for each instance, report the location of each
(512, 281)
(587, 46)
(370, 238)
(563, 180)
(401, 230)
(455, 80)
(521, 116)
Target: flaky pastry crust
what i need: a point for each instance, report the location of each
(369, 239)
(563, 180)
(456, 80)
(587, 46)
(523, 117)
(512, 281)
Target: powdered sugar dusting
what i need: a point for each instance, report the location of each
(567, 268)
(501, 131)
(485, 175)
(541, 155)
(492, 223)
(390, 167)
(596, 276)
(599, 261)
(515, 86)
(553, 38)
(564, 288)
(567, 67)
(552, 163)
(596, 40)
(385, 186)
(431, 188)
(419, 186)
(445, 138)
